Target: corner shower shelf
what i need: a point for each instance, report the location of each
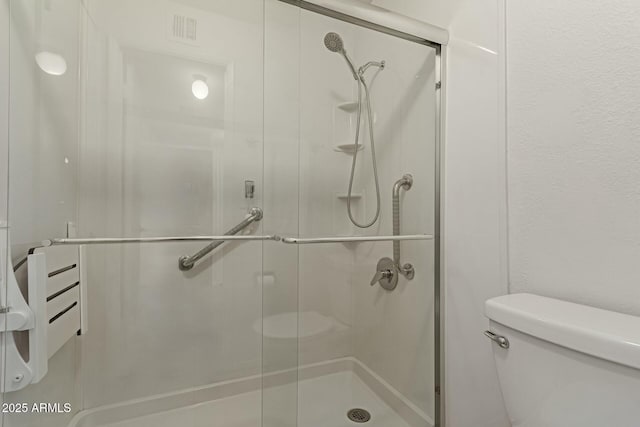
(348, 148)
(349, 107)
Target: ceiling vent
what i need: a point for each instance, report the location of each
(183, 29)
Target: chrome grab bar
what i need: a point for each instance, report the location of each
(405, 183)
(347, 239)
(186, 262)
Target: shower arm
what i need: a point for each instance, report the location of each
(405, 183)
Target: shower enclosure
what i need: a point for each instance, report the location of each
(188, 238)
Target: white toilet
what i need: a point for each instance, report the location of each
(566, 365)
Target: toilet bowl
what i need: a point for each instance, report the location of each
(566, 365)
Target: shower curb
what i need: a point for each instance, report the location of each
(135, 408)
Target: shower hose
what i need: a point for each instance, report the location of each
(363, 84)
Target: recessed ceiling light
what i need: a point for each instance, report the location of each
(200, 89)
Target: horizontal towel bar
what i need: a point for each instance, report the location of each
(117, 240)
(288, 240)
(347, 239)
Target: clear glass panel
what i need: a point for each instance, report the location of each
(4, 181)
(153, 128)
(174, 130)
(362, 346)
(280, 285)
(44, 140)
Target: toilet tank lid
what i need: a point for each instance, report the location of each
(600, 333)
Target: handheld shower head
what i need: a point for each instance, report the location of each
(334, 43)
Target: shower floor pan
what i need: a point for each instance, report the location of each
(326, 392)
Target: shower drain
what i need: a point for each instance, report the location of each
(358, 415)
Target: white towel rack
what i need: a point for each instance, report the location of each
(356, 239)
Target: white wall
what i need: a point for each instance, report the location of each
(475, 199)
(574, 152)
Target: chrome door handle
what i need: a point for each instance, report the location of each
(503, 342)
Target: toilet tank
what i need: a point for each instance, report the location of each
(567, 365)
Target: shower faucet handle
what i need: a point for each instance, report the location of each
(386, 274)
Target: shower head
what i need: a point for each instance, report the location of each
(334, 43)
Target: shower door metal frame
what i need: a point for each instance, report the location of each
(438, 262)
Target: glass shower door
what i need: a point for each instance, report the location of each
(181, 119)
(367, 321)
(140, 119)
(174, 137)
